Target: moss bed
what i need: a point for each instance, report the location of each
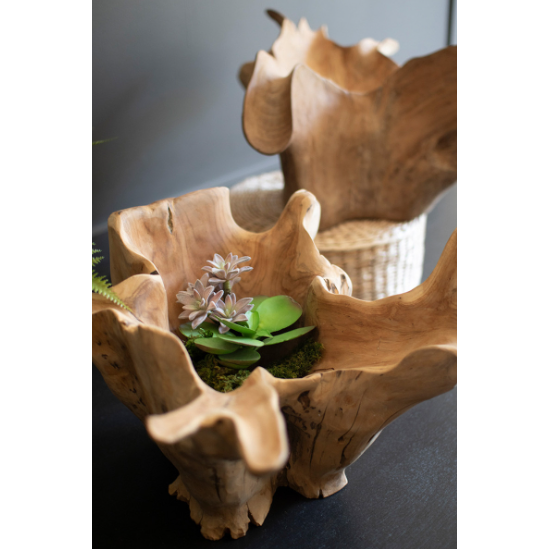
(298, 364)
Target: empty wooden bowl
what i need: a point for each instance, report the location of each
(370, 139)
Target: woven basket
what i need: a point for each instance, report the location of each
(382, 257)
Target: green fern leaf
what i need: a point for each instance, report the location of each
(95, 260)
(100, 285)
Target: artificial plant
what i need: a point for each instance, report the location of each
(100, 284)
(234, 330)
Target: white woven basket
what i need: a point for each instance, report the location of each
(382, 257)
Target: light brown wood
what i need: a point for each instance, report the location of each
(381, 257)
(381, 358)
(369, 139)
(359, 68)
(231, 449)
(226, 456)
(175, 237)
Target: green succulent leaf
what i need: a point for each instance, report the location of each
(215, 345)
(258, 300)
(201, 331)
(237, 327)
(263, 333)
(292, 334)
(246, 341)
(243, 358)
(253, 320)
(277, 313)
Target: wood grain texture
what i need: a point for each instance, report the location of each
(401, 493)
(231, 449)
(381, 358)
(225, 455)
(367, 138)
(381, 257)
(175, 237)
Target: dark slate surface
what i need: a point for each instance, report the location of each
(401, 492)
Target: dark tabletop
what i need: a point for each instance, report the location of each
(401, 492)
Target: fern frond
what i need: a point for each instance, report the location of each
(95, 260)
(100, 285)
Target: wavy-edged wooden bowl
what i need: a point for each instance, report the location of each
(370, 139)
(232, 450)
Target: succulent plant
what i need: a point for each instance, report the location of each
(190, 286)
(232, 310)
(199, 304)
(225, 271)
(236, 342)
(237, 348)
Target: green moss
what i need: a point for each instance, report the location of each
(299, 363)
(222, 379)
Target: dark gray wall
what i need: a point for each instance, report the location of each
(443, 218)
(165, 85)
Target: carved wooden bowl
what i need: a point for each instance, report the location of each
(232, 450)
(370, 139)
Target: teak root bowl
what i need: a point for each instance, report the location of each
(370, 139)
(233, 449)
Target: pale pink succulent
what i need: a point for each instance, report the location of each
(190, 286)
(225, 271)
(198, 301)
(232, 310)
